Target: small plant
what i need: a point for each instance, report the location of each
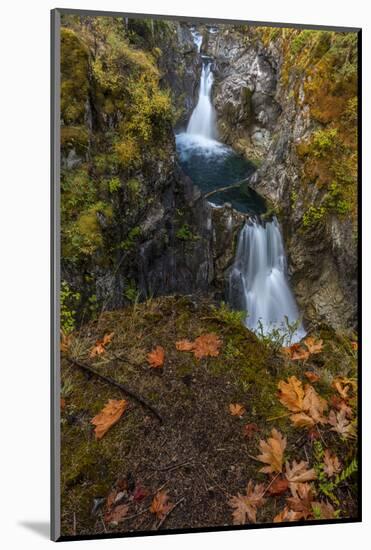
(69, 301)
(278, 337)
(114, 185)
(131, 292)
(184, 233)
(313, 215)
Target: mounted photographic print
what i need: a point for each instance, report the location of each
(206, 185)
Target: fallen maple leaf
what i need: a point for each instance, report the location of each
(301, 502)
(160, 504)
(117, 514)
(279, 486)
(245, 506)
(298, 473)
(109, 415)
(140, 493)
(314, 346)
(291, 394)
(305, 402)
(184, 345)
(314, 404)
(207, 345)
(295, 352)
(312, 376)
(331, 463)
(100, 345)
(341, 424)
(287, 515)
(272, 452)
(250, 429)
(302, 420)
(236, 409)
(340, 405)
(156, 357)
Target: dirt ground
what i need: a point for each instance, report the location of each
(199, 454)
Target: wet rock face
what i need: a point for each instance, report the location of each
(181, 69)
(244, 93)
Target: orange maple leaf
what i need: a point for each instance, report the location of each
(156, 357)
(184, 345)
(109, 415)
(236, 409)
(296, 352)
(100, 345)
(302, 501)
(272, 452)
(245, 506)
(291, 394)
(160, 504)
(314, 346)
(207, 345)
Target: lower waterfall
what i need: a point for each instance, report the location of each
(258, 281)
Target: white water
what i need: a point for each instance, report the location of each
(203, 120)
(258, 280)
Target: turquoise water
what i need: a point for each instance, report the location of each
(211, 165)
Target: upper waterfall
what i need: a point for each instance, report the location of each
(203, 119)
(258, 281)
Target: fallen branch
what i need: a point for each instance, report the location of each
(226, 188)
(113, 382)
(169, 512)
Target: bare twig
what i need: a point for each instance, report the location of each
(169, 512)
(122, 387)
(270, 483)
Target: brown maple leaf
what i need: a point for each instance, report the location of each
(291, 394)
(207, 345)
(116, 514)
(312, 376)
(298, 473)
(100, 345)
(184, 345)
(341, 424)
(156, 357)
(279, 486)
(314, 404)
(236, 409)
(302, 500)
(160, 504)
(272, 452)
(302, 420)
(109, 415)
(314, 346)
(287, 515)
(340, 405)
(331, 463)
(250, 429)
(245, 506)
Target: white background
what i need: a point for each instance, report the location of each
(24, 288)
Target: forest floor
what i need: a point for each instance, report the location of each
(191, 470)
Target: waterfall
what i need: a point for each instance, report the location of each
(258, 281)
(203, 120)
